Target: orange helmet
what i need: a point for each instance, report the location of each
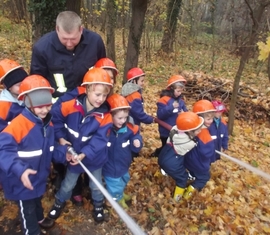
(188, 121)
(203, 106)
(106, 63)
(96, 76)
(32, 83)
(134, 73)
(7, 67)
(174, 79)
(117, 101)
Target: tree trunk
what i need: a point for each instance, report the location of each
(111, 25)
(139, 8)
(268, 67)
(43, 15)
(173, 9)
(256, 15)
(75, 6)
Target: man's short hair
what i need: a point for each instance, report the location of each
(68, 21)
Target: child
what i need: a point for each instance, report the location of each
(11, 76)
(132, 91)
(124, 138)
(109, 66)
(169, 106)
(85, 123)
(181, 140)
(26, 152)
(218, 129)
(198, 160)
(104, 63)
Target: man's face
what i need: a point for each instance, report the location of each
(69, 40)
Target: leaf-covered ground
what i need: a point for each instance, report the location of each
(234, 201)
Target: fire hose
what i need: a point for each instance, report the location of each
(239, 162)
(133, 227)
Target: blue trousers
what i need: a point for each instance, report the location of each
(173, 165)
(31, 212)
(116, 186)
(201, 179)
(69, 183)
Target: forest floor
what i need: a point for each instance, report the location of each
(234, 201)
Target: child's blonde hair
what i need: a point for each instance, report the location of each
(106, 88)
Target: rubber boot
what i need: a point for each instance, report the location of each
(126, 197)
(189, 192)
(178, 193)
(123, 203)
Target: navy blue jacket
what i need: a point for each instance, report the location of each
(137, 112)
(201, 156)
(120, 146)
(219, 133)
(88, 132)
(167, 113)
(50, 57)
(28, 143)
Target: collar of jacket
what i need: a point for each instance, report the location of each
(32, 117)
(121, 130)
(80, 104)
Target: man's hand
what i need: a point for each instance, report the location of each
(25, 178)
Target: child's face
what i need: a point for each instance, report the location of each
(218, 114)
(14, 90)
(96, 95)
(194, 133)
(178, 91)
(208, 121)
(42, 111)
(140, 81)
(120, 118)
(110, 72)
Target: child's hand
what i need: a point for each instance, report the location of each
(75, 159)
(136, 143)
(63, 141)
(68, 157)
(25, 178)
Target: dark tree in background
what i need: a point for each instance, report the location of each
(44, 13)
(173, 8)
(111, 25)
(75, 6)
(139, 8)
(257, 11)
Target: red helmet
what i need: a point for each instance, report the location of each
(134, 73)
(32, 83)
(174, 79)
(203, 106)
(106, 63)
(117, 101)
(188, 121)
(7, 66)
(219, 106)
(96, 76)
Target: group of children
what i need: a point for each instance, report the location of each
(104, 130)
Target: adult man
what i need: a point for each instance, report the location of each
(64, 55)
